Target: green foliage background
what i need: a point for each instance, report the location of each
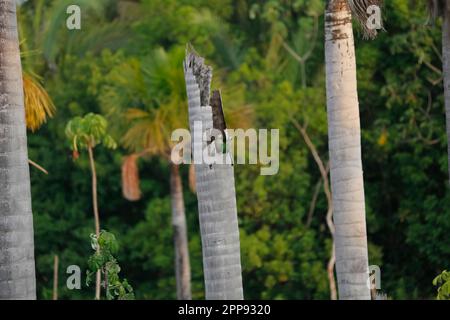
(404, 143)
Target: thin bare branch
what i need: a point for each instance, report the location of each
(34, 164)
(324, 169)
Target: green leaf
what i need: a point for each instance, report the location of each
(105, 246)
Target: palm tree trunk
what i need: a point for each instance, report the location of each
(216, 197)
(98, 277)
(17, 267)
(55, 277)
(182, 264)
(345, 154)
(446, 71)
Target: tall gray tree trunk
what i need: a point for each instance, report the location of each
(98, 276)
(345, 154)
(446, 71)
(182, 264)
(216, 196)
(17, 269)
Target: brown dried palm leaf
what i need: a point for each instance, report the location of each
(192, 180)
(130, 178)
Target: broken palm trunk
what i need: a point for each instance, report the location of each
(215, 188)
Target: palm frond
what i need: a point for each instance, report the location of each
(359, 11)
(136, 114)
(57, 15)
(38, 104)
(145, 134)
(240, 117)
(113, 36)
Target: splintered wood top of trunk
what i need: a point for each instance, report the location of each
(202, 74)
